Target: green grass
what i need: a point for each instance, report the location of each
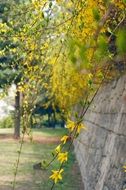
(49, 132)
(32, 153)
(46, 132)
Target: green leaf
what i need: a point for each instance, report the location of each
(50, 4)
(96, 14)
(121, 41)
(103, 47)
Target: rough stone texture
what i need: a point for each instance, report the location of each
(101, 150)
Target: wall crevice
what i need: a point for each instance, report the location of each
(102, 127)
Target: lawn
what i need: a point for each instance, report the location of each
(32, 153)
(42, 131)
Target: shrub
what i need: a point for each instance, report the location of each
(6, 122)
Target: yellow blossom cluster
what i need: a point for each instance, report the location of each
(56, 176)
(63, 157)
(74, 129)
(71, 125)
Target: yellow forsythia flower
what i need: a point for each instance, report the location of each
(79, 127)
(124, 168)
(56, 175)
(64, 139)
(62, 157)
(58, 149)
(70, 125)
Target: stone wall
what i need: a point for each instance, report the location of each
(101, 149)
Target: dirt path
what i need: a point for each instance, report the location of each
(38, 139)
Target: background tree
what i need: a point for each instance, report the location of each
(9, 66)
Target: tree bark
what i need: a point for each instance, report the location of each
(17, 116)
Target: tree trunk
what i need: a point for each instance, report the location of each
(54, 120)
(49, 119)
(17, 115)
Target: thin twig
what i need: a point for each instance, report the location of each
(18, 160)
(103, 21)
